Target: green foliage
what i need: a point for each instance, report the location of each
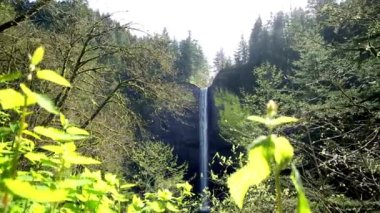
(191, 63)
(37, 166)
(269, 83)
(303, 204)
(153, 166)
(261, 153)
(112, 74)
(321, 64)
(231, 117)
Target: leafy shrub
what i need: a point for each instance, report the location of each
(261, 153)
(37, 164)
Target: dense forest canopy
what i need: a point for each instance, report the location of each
(321, 64)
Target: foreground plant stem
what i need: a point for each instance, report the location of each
(278, 192)
(17, 141)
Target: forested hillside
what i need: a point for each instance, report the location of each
(120, 85)
(321, 64)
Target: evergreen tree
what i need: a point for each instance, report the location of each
(220, 61)
(254, 41)
(242, 53)
(191, 62)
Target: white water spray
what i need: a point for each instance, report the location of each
(203, 140)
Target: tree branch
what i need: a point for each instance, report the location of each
(104, 103)
(37, 6)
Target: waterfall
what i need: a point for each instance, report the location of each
(203, 145)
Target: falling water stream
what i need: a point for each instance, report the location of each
(203, 144)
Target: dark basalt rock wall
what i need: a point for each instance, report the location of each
(183, 133)
(180, 131)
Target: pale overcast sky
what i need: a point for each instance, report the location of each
(215, 24)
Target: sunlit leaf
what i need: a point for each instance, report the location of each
(256, 170)
(257, 119)
(26, 190)
(96, 175)
(282, 120)
(53, 148)
(137, 203)
(46, 103)
(69, 147)
(14, 127)
(171, 207)
(34, 135)
(127, 186)
(11, 99)
(76, 131)
(57, 134)
(303, 203)
(238, 185)
(63, 120)
(35, 157)
(283, 151)
(4, 131)
(37, 56)
(111, 179)
(258, 162)
(4, 146)
(53, 76)
(259, 140)
(26, 145)
(10, 77)
(132, 209)
(59, 149)
(186, 187)
(100, 186)
(156, 206)
(81, 160)
(32, 98)
(164, 195)
(104, 207)
(37, 208)
(73, 183)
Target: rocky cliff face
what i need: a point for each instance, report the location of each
(182, 132)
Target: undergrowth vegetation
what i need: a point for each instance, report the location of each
(41, 169)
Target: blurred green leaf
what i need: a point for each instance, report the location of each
(11, 99)
(127, 186)
(10, 77)
(256, 170)
(303, 203)
(32, 134)
(283, 151)
(156, 206)
(57, 134)
(53, 76)
(171, 207)
(72, 130)
(46, 103)
(35, 157)
(282, 120)
(257, 119)
(26, 190)
(63, 120)
(37, 56)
